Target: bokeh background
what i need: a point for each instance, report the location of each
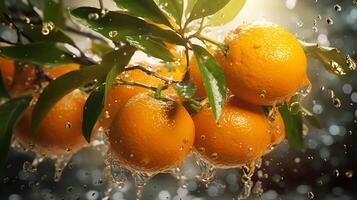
(326, 169)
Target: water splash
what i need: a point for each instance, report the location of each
(207, 172)
(60, 163)
(140, 179)
(248, 172)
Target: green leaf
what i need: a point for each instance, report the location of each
(35, 34)
(293, 126)
(10, 113)
(332, 58)
(143, 8)
(44, 54)
(213, 79)
(151, 47)
(119, 26)
(75, 79)
(54, 13)
(3, 90)
(185, 89)
(227, 14)
(189, 7)
(92, 110)
(100, 48)
(204, 8)
(312, 119)
(174, 8)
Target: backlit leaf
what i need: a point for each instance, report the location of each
(54, 13)
(118, 26)
(44, 54)
(75, 79)
(143, 8)
(227, 14)
(332, 58)
(213, 79)
(174, 8)
(204, 8)
(293, 126)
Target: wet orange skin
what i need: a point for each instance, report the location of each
(242, 135)
(59, 131)
(151, 135)
(265, 63)
(120, 94)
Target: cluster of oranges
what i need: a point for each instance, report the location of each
(263, 66)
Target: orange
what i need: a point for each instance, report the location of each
(196, 78)
(265, 63)
(59, 131)
(151, 135)
(26, 81)
(60, 70)
(7, 68)
(277, 130)
(243, 134)
(120, 94)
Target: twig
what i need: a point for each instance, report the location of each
(101, 4)
(136, 84)
(151, 73)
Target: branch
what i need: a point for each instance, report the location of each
(151, 73)
(136, 84)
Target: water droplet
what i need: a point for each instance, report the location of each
(214, 156)
(310, 195)
(47, 27)
(203, 137)
(338, 8)
(93, 16)
(315, 29)
(329, 21)
(68, 125)
(349, 174)
(112, 34)
(351, 63)
(337, 173)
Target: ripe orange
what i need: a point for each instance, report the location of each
(120, 94)
(265, 63)
(243, 135)
(60, 130)
(277, 130)
(196, 78)
(151, 135)
(25, 81)
(7, 69)
(60, 70)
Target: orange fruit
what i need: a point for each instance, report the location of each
(278, 130)
(26, 81)
(243, 134)
(60, 70)
(196, 78)
(151, 135)
(7, 68)
(265, 63)
(120, 94)
(59, 131)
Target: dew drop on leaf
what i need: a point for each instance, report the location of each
(93, 16)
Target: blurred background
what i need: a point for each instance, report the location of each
(326, 169)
